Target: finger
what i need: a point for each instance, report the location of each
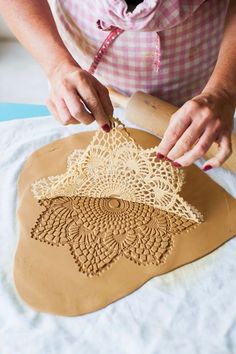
(53, 110)
(103, 94)
(93, 103)
(186, 141)
(177, 126)
(63, 113)
(77, 108)
(223, 153)
(201, 147)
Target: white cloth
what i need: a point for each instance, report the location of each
(189, 311)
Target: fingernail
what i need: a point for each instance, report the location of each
(106, 128)
(160, 156)
(176, 164)
(207, 168)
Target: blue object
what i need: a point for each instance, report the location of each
(11, 111)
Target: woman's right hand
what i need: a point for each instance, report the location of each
(74, 91)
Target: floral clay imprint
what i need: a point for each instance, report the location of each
(100, 215)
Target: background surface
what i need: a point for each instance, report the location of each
(190, 310)
(16, 83)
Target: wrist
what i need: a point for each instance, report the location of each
(221, 89)
(58, 61)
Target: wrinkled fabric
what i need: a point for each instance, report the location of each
(149, 15)
(168, 48)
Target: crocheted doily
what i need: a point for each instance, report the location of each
(115, 166)
(114, 200)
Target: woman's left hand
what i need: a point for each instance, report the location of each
(201, 121)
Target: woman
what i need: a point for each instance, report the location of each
(181, 51)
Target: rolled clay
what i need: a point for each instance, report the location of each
(64, 274)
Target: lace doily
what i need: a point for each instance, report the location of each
(115, 166)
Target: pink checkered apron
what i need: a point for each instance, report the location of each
(167, 48)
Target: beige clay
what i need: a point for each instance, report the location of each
(94, 251)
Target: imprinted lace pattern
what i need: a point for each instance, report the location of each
(100, 231)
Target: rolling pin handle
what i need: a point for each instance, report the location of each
(117, 98)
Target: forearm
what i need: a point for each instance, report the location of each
(224, 74)
(33, 24)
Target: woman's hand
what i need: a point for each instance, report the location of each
(204, 119)
(76, 96)
(72, 89)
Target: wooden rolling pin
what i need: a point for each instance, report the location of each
(153, 115)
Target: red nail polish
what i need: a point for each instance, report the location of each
(207, 168)
(160, 156)
(106, 128)
(176, 164)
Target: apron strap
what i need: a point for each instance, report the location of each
(115, 32)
